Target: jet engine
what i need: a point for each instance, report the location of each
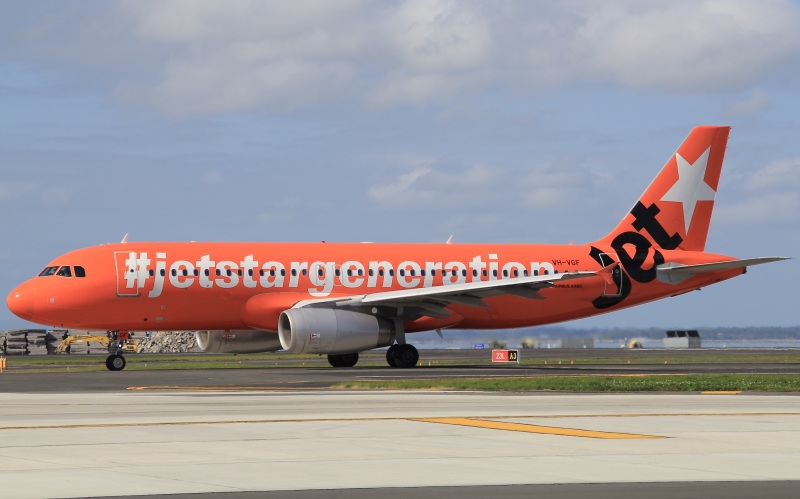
(239, 341)
(328, 331)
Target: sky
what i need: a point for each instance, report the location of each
(398, 121)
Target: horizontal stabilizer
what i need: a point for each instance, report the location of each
(674, 273)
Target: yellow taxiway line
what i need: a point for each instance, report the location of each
(530, 428)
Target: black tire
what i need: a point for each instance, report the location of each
(407, 356)
(343, 360)
(115, 362)
(348, 359)
(390, 356)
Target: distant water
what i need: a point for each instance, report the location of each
(646, 342)
(657, 343)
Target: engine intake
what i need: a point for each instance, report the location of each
(328, 331)
(238, 341)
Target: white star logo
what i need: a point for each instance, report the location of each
(691, 186)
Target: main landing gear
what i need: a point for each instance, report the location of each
(343, 360)
(404, 356)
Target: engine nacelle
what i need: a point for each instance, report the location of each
(239, 341)
(328, 331)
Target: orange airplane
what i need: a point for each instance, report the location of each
(342, 299)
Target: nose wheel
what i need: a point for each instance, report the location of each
(116, 343)
(115, 362)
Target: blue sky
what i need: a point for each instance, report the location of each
(402, 121)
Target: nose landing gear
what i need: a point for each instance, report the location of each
(116, 345)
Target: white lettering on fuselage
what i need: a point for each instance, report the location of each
(320, 277)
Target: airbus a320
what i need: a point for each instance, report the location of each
(340, 299)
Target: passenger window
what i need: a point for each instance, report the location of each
(485, 273)
(494, 273)
(163, 272)
(294, 272)
(80, 271)
(151, 272)
(402, 272)
(64, 272)
(305, 272)
(505, 273)
(283, 272)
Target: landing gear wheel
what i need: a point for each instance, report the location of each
(115, 362)
(390, 354)
(406, 356)
(343, 360)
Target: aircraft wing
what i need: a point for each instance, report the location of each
(432, 300)
(675, 273)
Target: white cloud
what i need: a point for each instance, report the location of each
(12, 191)
(203, 57)
(765, 196)
(757, 101)
(783, 174)
(439, 185)
(402, 190)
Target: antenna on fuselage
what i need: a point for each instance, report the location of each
(449, 239)
(125, 239)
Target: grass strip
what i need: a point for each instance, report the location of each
(645, 383)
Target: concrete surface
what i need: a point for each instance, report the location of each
(178, 442)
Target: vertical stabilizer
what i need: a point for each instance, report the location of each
(675, 211)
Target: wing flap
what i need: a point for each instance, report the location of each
(469, 294)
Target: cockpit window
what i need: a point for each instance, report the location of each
(48, 271)
(80, 271)
(64, 271)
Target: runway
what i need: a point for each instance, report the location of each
(324, 443)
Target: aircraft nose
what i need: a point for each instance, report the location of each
(20, 303)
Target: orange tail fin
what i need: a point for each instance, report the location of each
(675, 211)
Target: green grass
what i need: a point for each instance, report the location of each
(645, 383)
